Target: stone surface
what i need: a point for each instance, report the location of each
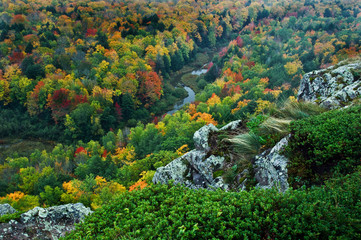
(232, 126)
(333, 87)
(194, 169)
(201, 136)
(271, 167)
(6, 209)
(45, 223)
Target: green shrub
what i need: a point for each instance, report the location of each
(173, 212)
(324, 145)
(7, 217)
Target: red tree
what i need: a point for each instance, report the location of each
(16, 56)
(61, 102)
(239, 41)
(90, 32)
(118, 110)
(150, 88)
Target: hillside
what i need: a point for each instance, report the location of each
(253, 173)
(321, 149)
(273, 112)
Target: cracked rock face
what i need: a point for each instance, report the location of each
(271, 167)
(194, 169)
(45, 223)
(6, 209)
(333, 87)
(200, 137)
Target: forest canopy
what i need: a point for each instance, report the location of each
(95, 78)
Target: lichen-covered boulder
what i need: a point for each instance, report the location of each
(45, 223)
(201, 137)
(178, 168)
(192, 170)
(271, 167)
(6, 209)
(196, 168)
(333, 87)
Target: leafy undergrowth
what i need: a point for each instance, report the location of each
(324, 145)
(173, 212)
(258, 134)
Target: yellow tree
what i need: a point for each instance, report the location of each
(204, 117)
(4, 90)
(213, 100)
(293, 67)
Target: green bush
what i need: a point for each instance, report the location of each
(7, 217)
(324, 145)
(173, 212)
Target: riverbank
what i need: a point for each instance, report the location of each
(189, 99)
(185, 75)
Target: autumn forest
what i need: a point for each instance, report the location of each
(89, 83)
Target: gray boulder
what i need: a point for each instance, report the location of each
(195, 169)
(45, 223)
(6, 209)
(201, 137)
(192, 170)
(333, 87)
(271, 167)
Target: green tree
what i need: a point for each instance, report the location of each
(81, 122)
(145, 140)
(29, 179)
(128, 108)
(51, 196)
(109, 141)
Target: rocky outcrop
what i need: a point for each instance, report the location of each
(44, 223)
(271, 167)
(332, 87)
(194, 169)
(200, 137)
(6, 209)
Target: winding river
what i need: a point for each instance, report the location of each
(191, 94)
(190, 98)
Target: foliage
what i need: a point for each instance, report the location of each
(266, 129)
(56, 56)
(84, 72)
(21, 201)
(324, 145)
(7, 217)
(166, 211)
